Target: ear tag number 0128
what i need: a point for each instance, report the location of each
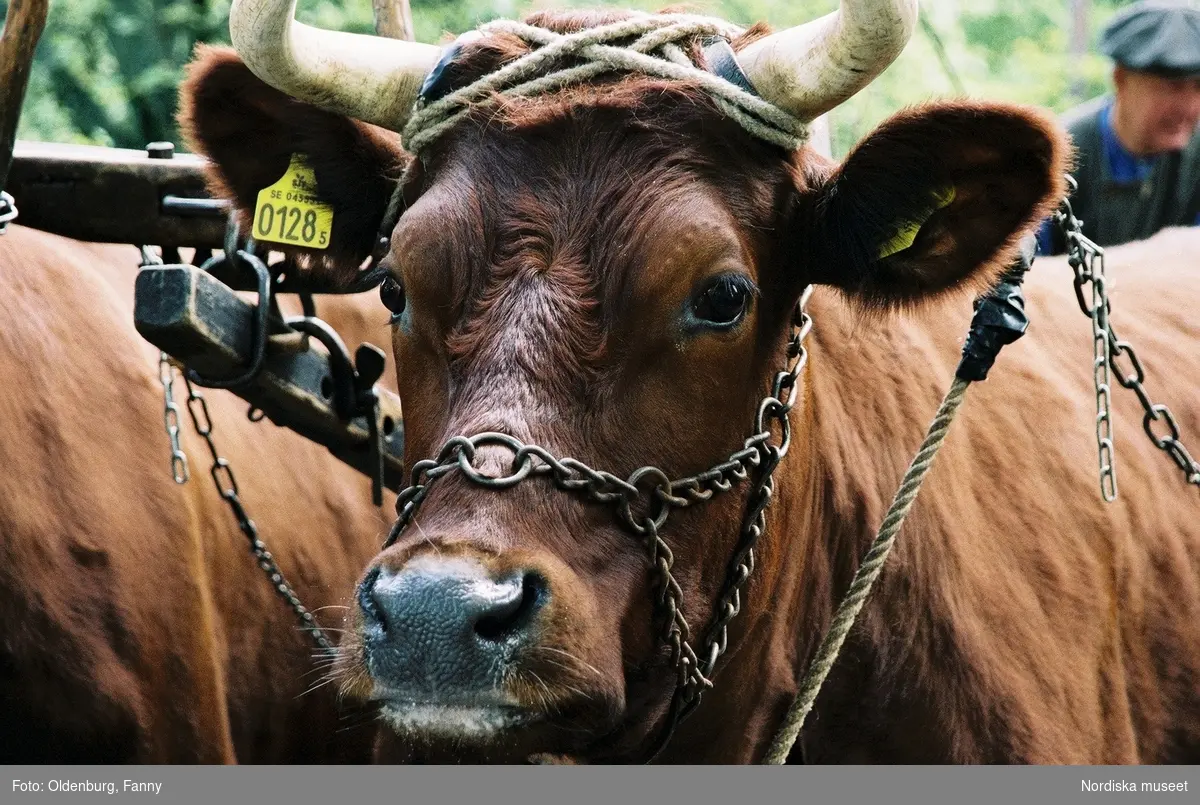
(288, 211)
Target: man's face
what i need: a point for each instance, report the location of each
(1155, 113)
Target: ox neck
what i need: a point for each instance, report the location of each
(861, 420)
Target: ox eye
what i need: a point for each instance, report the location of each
(391, 293)
(724, 302)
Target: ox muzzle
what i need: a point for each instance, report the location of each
(447, 630)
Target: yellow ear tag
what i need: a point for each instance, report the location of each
(289, 212)
(908, 233)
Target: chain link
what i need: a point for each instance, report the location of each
(1086, 259)
(643, 503)
(179, 461)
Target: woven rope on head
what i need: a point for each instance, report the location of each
(645, 43)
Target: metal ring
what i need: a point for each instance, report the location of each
(769, 406)
(497, 482)
(495, 437)
(258, 346)
(788, 381)
(646, 472)
(661, 492)
(1158, 413)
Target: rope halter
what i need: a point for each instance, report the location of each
(652, 45)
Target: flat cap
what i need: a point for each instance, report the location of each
(1156, 36)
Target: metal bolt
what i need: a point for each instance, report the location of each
(160, 150)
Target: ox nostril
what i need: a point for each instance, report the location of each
(373, 614)
(512, 617)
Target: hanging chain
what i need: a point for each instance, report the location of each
(227, 487)
(1101, 360)
(773, 410)
(179, 460)
(1086, 259)
(223, 477)
(166, 377)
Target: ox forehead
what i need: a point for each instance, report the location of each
(528, 260)
(607, 271)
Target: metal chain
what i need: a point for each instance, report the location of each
(643, 503)
(227, 487)
(570, 475)
(179, 461)
(222, 475)
(773, 409)
(1086, 259)
(166, 377)
(1101, 359)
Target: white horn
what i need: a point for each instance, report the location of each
(370, 78)
(811, 68)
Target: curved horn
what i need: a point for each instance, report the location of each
(370, 78)
(811, 68)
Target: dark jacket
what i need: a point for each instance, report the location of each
(1117, 211)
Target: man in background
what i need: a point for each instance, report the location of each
(1138, 164)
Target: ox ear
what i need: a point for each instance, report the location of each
(937, 198)
(250, 131)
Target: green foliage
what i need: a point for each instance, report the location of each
(107, 71)
(1013, 50)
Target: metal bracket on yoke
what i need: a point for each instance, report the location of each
(205, 325)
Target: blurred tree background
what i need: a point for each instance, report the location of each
(107, 71)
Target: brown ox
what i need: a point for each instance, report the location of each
(137, 626)
(609, 272)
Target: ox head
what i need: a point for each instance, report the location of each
(608, 272)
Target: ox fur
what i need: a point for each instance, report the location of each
(137, 626)
(545, 251)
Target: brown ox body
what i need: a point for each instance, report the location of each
(137, 626)
(609, 272)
